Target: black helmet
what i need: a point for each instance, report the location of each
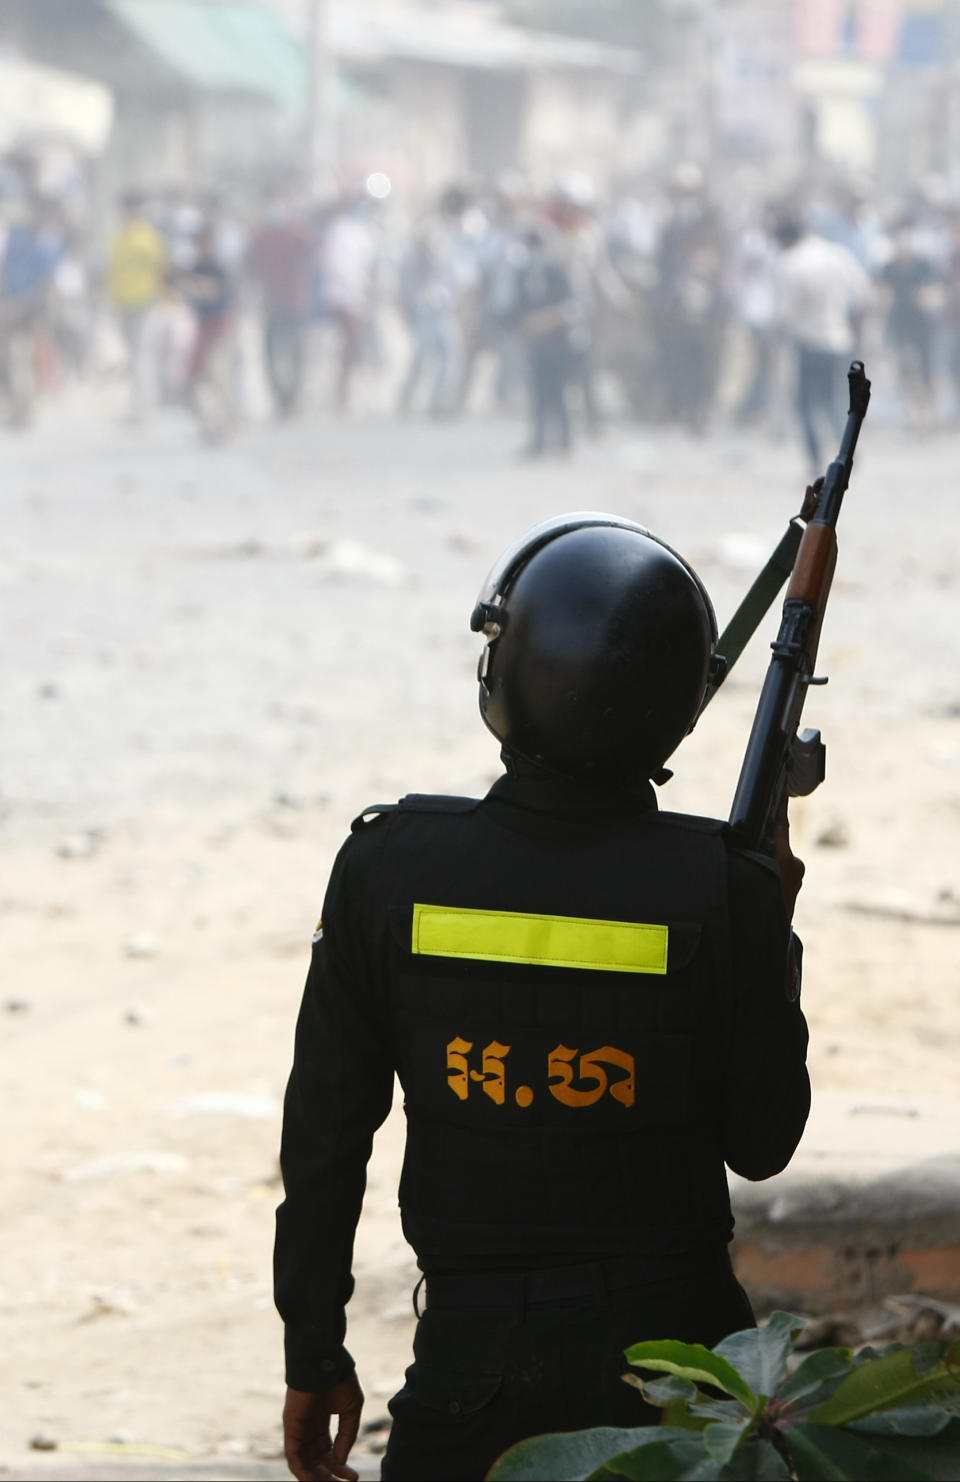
(599, 646)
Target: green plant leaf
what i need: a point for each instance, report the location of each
(891, 1382)
(926, 1355)
(910, 1420)
(680, 1459)
(729, 1411)
(693, 1361)
(826, 1453)
(570, 1456)
(939, 1456)
(722, 1440)
(759, 1355)
(567, 1457)
(757, 1461)
(679, 1413)
(663, 1391)
(815, 1379)
(673, 1396)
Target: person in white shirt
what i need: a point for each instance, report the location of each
(822, 292)
(753, 292)
(349, 265)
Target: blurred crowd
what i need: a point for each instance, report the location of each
(667, 304)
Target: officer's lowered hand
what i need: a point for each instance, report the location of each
(311, 1454)
(792, 869)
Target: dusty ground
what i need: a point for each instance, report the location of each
(212, 659)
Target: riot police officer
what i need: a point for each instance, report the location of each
(591, 1006)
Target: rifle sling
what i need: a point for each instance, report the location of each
(757, 603)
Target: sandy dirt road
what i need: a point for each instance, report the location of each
(212, 659)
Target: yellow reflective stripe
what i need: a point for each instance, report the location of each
(545, 941)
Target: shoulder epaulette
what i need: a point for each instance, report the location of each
(425, 802)
(369, 815)
(414, 802)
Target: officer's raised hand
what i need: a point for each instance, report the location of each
(312, 1455)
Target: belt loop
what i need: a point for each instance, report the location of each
(416, 1294)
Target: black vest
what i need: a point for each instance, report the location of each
(564, 1107)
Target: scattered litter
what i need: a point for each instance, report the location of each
(349, 560)
(114, 1165)
(267, 1451)
(80, 845)
(834, 836)
(742, 550)
(228, 1104)
(929, 1316)
(464, 541)
(119, 1448)
(136, 1016)
(916, 916)
(102, 1306)
(17, 1006)
(310, 543)
(42, 1441)
(141, 944)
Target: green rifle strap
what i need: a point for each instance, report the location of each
(756, 604)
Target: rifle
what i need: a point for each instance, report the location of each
(778, 762)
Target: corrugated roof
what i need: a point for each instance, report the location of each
(227, 46)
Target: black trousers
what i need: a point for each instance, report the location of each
(549, 373)
(489, 1373)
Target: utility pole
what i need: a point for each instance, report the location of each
(321, 149)
(951, 110)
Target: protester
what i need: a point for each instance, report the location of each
(212, 370)
(822, 292)
(138, 260)
(438, 273)
(282, 261)
(32, 250)
(914, 293)
(753, 291)
(349, 261)
(547, 314)
(690, 301)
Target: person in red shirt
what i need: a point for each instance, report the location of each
(281, 260)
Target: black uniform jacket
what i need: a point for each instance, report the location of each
(589, 1009)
